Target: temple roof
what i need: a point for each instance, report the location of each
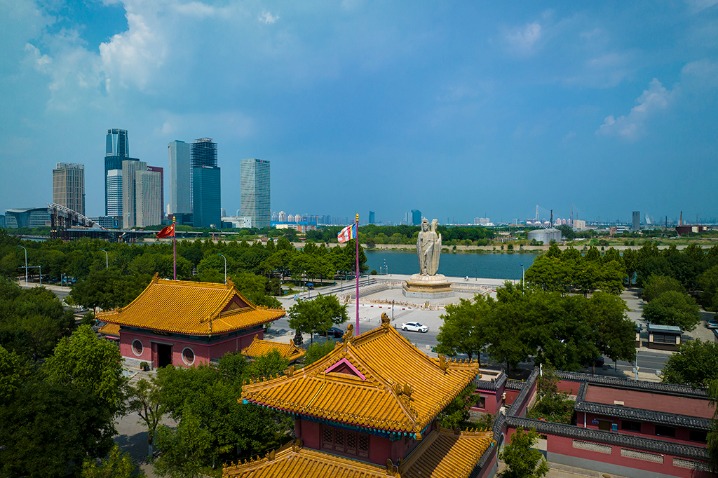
(113, 330)
(444, 454)
(377, 381)
(287, 351)
(191, 308)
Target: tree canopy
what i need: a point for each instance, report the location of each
(521, 459)
(673, 308)
(317, 314)
(695, 364)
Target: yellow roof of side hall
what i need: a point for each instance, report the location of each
(190, 308)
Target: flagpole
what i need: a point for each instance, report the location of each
(174, 247)
(356, 273)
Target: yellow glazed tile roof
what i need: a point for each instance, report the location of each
(112, 330)
(192, 308)
(294, 461)
(444, 454)
(377, 380)
(261, 347)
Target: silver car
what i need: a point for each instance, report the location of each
(414, 327)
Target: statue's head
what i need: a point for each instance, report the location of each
(425, 224)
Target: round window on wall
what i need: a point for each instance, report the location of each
(188, 356)
(137, 347)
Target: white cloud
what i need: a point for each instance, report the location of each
(701, 74)
(654, 99)
(133, 57)
(267, 18)
(699, 5)
(522, 40)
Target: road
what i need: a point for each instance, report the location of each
(648, 362)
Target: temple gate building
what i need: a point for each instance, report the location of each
(369, 409)
(184, 323)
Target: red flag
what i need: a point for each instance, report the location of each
(168, 231)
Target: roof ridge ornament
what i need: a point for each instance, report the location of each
(385, 321)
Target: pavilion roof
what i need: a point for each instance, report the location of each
(259, 347)
(376, 381)
(444, 454)
(191, 308)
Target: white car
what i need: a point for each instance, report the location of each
(414, 327)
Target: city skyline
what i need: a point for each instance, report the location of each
(460, 111)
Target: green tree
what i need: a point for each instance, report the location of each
(657, 285)
(183, 449)
(695, 364)
(92, 364)
(317, 315)
(708, 282)
(521, 459)
(613, 332)
(456, 413)
(108, 289)
(144, 399)
(318, 350)
(265, 366)
(116, 465)
(552, 405)
(673, 308)
(464, 327)
(31, 321)
(49, 429)
(12, 374)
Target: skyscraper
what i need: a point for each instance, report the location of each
(415, 217)
(636, 223)
(129, 191)
(68, 186)
(117, 150)
(254, 191)
(180, 196)
(206, 184)
(372, 218)
(113, 191)
(148, 197)
(161, 171)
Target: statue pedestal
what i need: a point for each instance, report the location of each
(427, 287)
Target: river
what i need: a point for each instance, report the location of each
(488, 265)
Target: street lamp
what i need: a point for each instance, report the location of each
(522, 279)
(107, 261)
(23, 247)
(225, 267)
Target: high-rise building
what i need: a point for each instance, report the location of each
(636, 224)
(148, 197)
(180, 170)
(113, 191)
(372, 218)
(129, 191)
(158, 169)
(206, 184)
(255, 191)
(117, 150)
(415, 217)
(68, 186)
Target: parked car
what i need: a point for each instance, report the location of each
(335, 332)
(414, 327)
(712, 324)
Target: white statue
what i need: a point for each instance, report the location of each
(428, 248)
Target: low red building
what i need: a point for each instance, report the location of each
(185, 323)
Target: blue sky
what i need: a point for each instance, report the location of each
(459, 109)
